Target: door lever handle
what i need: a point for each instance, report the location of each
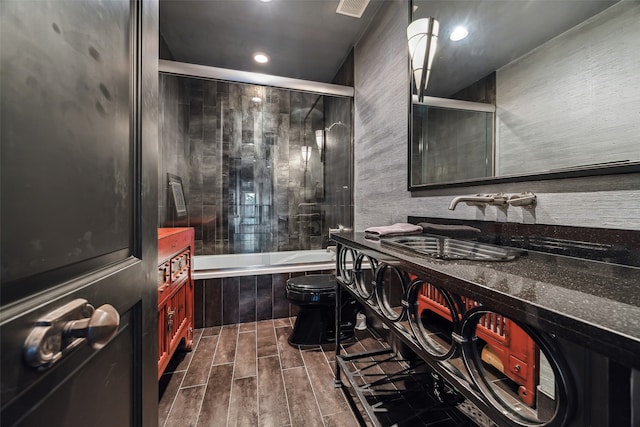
(65, 328)
(97, 329)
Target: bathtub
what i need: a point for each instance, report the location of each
(234, 265)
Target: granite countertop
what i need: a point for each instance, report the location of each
(595, 304)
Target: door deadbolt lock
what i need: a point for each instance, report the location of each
(65, 328)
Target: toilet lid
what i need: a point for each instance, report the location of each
(315, 282)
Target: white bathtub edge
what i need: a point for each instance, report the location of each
(261, 270)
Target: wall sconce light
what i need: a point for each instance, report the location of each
(320, 139)
(422, 36)
(306, 153)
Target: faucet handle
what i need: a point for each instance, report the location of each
(527, 199)
(500, 199)
(478, 199)
(495, 199)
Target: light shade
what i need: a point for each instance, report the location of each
(320, 139)
(422, 36)
(306, 152)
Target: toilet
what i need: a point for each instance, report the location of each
(315, 295)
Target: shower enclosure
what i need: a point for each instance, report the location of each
(263, 169)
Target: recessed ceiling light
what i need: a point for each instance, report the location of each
(261, 58)
(265, 1)
(458, 34)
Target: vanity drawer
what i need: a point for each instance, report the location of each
(180, 265)
(164, 276)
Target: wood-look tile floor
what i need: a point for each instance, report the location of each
(249, 375)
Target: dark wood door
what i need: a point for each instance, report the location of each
(78, 212)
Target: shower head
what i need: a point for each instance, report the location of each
(338, 123)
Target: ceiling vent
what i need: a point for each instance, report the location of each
(353, 8)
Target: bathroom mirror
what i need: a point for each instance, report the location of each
(561, 76)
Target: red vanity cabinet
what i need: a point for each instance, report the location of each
(509, 348)
(175, 292)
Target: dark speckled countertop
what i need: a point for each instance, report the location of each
(593, 303)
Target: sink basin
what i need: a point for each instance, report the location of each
(451, 249)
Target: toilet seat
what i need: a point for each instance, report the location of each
(312, 289)
(315, 295)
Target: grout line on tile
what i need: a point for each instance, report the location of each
(293, 367)
(173, 372)
(233, 375)
(284, 384)
(257, 374)
(206, 385)
(193, 386)
(313, 390)
(182, 381)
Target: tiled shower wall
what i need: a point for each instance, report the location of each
(247, 186)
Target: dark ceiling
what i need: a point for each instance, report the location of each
(305, 39)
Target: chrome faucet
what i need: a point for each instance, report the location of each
(497, 199)
(340, 229)
(527, 199)
(336, 230)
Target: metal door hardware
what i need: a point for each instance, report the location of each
(63, 329)
(170, 314)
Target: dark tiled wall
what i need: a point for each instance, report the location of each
(243, 299)
(173, 142)
(339, 182)
(246, 184)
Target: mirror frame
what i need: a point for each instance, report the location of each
(573, 172)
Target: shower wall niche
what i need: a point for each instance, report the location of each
(263, 169)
